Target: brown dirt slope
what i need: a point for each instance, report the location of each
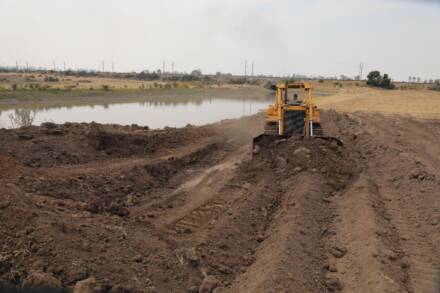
(191, 210)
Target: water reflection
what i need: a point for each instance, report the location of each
(155, 113)
(21, 118)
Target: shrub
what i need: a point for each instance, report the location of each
(171, 78)
(145, 75)
(237, 81)
(51, 79)
(105, 87)
(386, 82)
(14, 87)
(189, 77)
(375, 79)
(253, 82)
(270, 85)
(196, 72)
(436, 85)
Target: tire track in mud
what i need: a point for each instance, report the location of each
(421, 253)
(272, 221)
(203, 192)
(292, 254)
(414, 216)
(411, 200)
(191, 204)
(403, 242)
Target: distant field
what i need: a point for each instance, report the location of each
(61, 82)
(417, 103)
(347, 96)
(37, 85)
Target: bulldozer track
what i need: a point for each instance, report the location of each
(420, 251)
(199, 217)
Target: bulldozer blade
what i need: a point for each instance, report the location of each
(330, 138)
(264, 140)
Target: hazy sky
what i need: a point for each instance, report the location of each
(317, 37)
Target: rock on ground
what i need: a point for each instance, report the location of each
(87, 286)
(42, 281)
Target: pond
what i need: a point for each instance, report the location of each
(152, 113)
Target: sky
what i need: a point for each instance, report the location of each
(281, 37)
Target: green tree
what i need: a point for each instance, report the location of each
(374, 78)
(436, 85)
(386, 82)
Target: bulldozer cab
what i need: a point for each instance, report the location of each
(293, 95)
(292, 110)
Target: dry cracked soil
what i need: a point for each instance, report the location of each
(108, 208)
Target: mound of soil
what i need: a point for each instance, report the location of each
(108, 208)
(72, 143)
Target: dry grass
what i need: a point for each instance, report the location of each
(24, 80)
(417, 103)
(30, 86)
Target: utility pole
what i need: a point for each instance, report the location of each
(27, 66)
(16, 65)
(103, 66)
(54, 66)
(64, 66)
(252, 68)
(163, 67)
(172, 67)
(245, 68)
(361, 69)
(113, 67)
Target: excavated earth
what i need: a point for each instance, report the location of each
(107, 208)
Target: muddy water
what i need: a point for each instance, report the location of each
(154, 114)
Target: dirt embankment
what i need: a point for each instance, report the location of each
(125, 209)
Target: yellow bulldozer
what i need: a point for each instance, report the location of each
(293, 114)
